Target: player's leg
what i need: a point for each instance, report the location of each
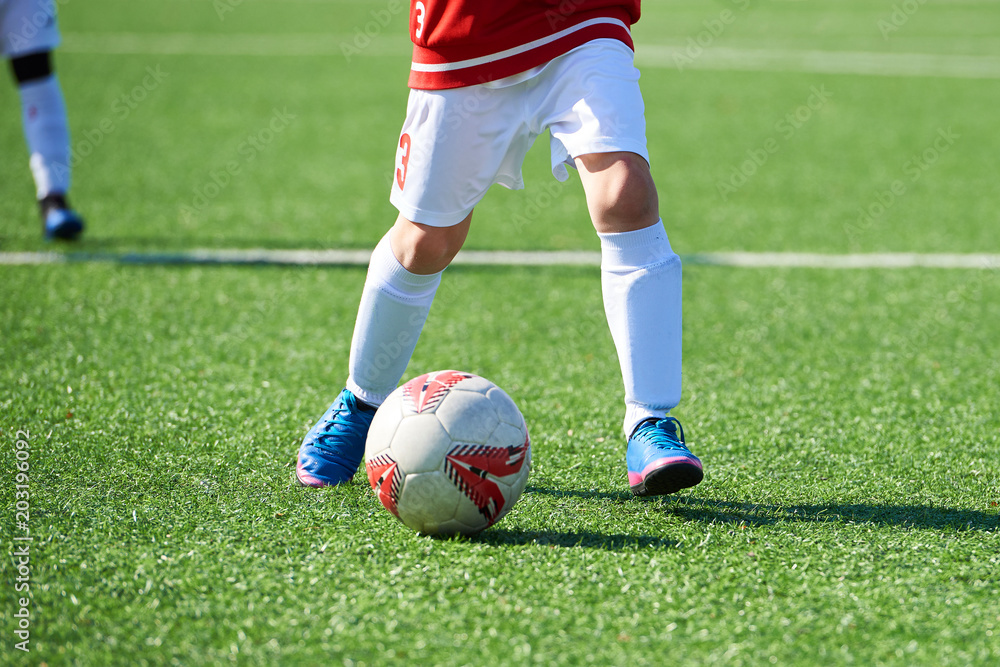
(405, 269)
(641, 282)
(596, 117)
(403, 276)
(46, 129)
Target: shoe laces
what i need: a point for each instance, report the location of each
(347, 420)
(666, 433)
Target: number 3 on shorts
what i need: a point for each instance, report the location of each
(402, 159)
(419, 12)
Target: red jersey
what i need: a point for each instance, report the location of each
(465, 42)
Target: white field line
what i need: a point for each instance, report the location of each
(867, 63)
(650, 55)
(885, 260)
(515, 258)
(245, 44)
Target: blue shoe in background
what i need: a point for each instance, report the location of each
(59, 221)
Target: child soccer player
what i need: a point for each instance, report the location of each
(486, 79)
(29, 34)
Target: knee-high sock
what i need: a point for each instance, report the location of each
(394, 307)
(46, 131)
(641, 282)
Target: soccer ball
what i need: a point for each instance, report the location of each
(448, 452)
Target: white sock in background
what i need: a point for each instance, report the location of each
(641, 281)
(46, 131)
(394, 307)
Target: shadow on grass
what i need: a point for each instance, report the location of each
(707, 510)
(575, 539)
(762, 514)
(620, 496)
(586, 538)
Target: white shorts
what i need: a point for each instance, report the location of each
(27, 26)
(456, 143)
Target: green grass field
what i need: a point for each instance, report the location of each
(846, 418)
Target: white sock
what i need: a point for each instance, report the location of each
(46, 131)
(641, 281)
(394, 307)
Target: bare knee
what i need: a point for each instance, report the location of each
(621, 195)
(423, 249)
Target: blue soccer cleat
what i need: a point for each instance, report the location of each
(658, 461)
(334, 447)
(58, 220)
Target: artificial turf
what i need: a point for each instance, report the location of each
(846, 419)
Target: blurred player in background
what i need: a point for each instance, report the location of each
(486, 79)
(29, 34)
